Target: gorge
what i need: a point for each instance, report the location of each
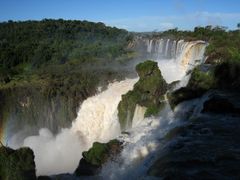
(97, 116)
(162, 112)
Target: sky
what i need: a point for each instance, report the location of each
(133, 15)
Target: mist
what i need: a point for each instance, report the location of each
(55, 154)
(96, 121)
(97, 118)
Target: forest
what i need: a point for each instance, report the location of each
(53, 61)
(31, 46)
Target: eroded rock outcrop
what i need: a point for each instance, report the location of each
(147, 92)
(96, 156)
(200, 82)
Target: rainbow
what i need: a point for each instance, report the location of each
(3, 132)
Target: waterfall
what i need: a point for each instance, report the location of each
(96, 121)
(176, 57)
(138, 115)
(139, 147)
(173, 49)
(166, 49)
(100, 113)
(142, 142)
(161, 46)
(186, 54)
(149, 46)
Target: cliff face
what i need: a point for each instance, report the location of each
(147, 92)
(36, 107)
(224, 77)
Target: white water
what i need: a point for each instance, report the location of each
(139, 148)
(138, 115)
(143, 139)
(166, 49)
(175, 58)
(188, 55)
(96, 121)
(149, 46)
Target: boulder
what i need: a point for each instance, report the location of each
(96, 156)
(147, 92)
(17, 164)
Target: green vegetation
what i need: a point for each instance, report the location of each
(147, 92)
(153, 110)
(96, 156)
(201, 80)
(46, 67)
(37, 43)
(199, 83)
(17, 164)
(99, 152)
(227, 75)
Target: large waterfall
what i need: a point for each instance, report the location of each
(139, 147)
(97, 117)
(175, 57)
(187, 54)
(96, 121)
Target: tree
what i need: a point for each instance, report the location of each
(238, 25)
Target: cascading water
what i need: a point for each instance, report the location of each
(143, 139)
(138, 115)
(149, 46)
(139, 147)
(176, 58)
(167, 46)
(96, 121)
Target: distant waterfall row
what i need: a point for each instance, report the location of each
(167, 48)
(164, 47)
(182, 52)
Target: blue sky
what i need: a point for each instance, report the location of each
(133, 15)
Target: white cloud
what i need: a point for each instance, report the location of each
(188, 21)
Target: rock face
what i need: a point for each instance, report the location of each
(29, 105)
(17, 164)
(200, 82)
(96, 156)
(147, 92)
